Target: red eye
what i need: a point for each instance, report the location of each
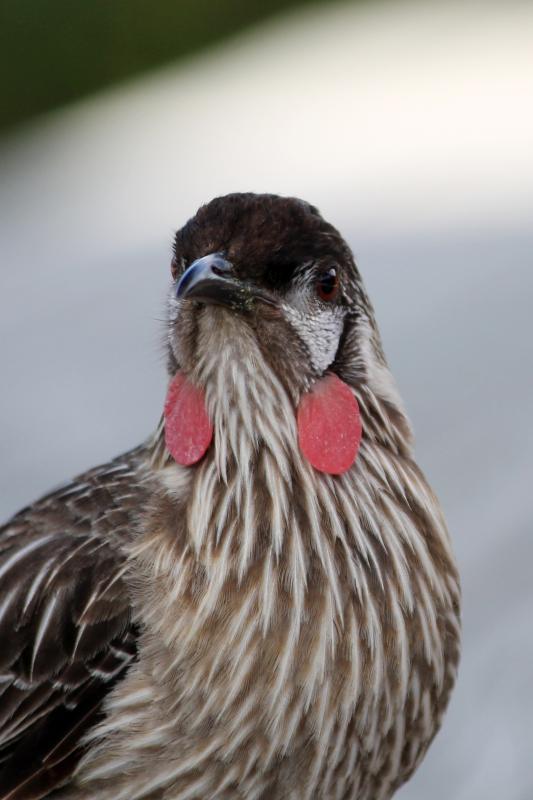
(327, 286)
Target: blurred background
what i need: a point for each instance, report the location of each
(410, 125)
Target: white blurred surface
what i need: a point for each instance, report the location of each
(411, 126)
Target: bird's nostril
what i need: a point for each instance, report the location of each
(219, 265)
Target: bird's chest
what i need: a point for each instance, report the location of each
(283, 650)
(267, 696)
(256, 653)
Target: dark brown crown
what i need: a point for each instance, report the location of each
(266, 237)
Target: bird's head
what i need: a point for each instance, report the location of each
(266, 283)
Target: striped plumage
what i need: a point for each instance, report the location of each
(246, 627)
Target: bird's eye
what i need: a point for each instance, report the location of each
(327, 286)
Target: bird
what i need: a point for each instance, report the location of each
(262, 600)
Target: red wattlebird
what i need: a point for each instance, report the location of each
(261, 601)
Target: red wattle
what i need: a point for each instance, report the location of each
(188, 429)
(329, 426)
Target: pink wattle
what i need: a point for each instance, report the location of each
(188, 429)
(329, 426)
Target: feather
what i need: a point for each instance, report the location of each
(247, 626)
(65, 623)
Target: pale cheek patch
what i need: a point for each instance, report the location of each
(320, 330)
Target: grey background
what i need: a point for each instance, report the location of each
(423, 160)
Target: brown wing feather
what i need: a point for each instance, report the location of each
(66, 633)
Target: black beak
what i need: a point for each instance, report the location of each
(210, 279)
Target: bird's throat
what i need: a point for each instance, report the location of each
(328, 420)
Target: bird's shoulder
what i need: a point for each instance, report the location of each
(66, 628)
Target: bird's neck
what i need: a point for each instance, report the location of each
(254, 491)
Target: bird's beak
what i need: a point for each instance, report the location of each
(210, 279)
